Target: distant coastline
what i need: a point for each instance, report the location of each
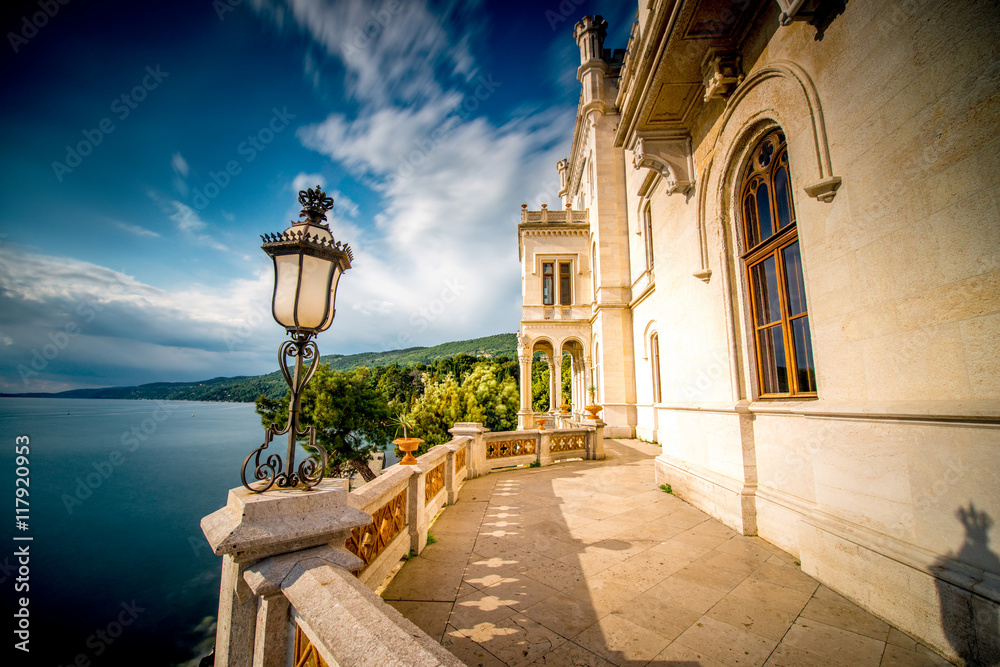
(246, 388)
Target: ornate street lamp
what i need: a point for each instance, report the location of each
(307, 266)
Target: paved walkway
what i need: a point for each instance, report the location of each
(589, 563)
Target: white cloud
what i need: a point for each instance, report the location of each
(304, 181)
(344, 203)
(134, 229)
(180, 165)
(441, 262)
(186, 218)
(390, 50)
(110, 328)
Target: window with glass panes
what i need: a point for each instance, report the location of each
(647, 232)
(785, 365)
(548, 284)
(564, 284)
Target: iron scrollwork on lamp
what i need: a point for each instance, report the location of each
(308, 263)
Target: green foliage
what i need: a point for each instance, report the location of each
(535, 464)
(540, 382)
(478, 397)
(667, 488)
(539, 385)
(352, 418)
(488, 346)
(431, 539)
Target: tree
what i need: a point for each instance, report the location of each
(480, 397)
(351, 417)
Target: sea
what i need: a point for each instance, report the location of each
(118, 571)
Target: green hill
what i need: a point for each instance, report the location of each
(492, 346)
(246, 389)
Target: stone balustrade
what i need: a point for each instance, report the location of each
(300, 566)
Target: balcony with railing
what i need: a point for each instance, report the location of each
(584, 562)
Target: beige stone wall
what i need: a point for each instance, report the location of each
(902, 275)
(901, 101)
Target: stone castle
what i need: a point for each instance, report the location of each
(778, 255)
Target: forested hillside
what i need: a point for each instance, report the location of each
(246, 389)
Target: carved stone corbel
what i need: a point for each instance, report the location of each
(670, 158)
(722, 72)
(824, 189)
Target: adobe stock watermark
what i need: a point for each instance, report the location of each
(248, 149)
(427, 314)
(424, 148)
(105, 467)
(423, 316)
(223, 7)
(565, 11)
(122, 107)
(362, 36)
(57, 341)
(105, 636)
(244, 330)
(31, 24)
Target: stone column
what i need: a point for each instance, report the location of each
(475, 455)
(578, 388)
(588, 379)
(252, 527)
(553, 385)
(524, 419)
(271, 640)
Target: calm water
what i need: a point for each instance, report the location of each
(134, 539)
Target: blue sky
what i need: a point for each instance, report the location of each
(146, 146)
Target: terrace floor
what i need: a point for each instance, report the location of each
(589, 563)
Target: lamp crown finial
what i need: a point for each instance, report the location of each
(315, 204)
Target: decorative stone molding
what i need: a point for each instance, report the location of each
(825, 188)
(790, 10)
(722, 72)
(669, 157)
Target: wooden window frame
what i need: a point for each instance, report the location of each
(647, 233)
(565, 298)
(773, 247)
(550, 276)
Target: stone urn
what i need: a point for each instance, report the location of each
(408, 446)
(565, 408)
(541, 421)
(593, 410)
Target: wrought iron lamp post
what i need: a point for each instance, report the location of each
(307, 266)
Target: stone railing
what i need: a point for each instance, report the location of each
(299, 567)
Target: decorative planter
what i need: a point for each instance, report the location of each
(565, 408)
(408, 446)
(594, 410)
(541, 422)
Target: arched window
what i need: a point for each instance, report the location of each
(785, 365)
(654, 362)
(647, 232)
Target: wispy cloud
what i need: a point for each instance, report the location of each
(121, 329)
(391, 50)
(133, 229)
(443, 255)
(186, 218)
(179, 164)
(304, 181)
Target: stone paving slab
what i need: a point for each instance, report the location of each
(589, 563)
